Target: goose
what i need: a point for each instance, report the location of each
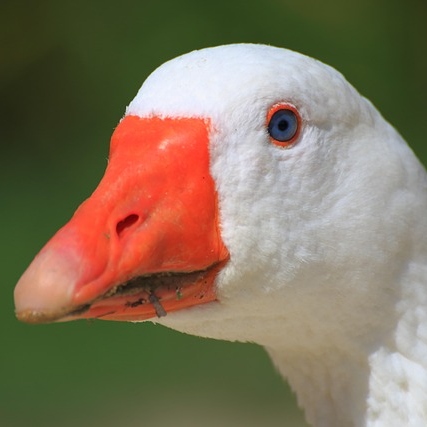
(252, 194)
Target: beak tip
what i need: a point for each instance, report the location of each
(45, 290)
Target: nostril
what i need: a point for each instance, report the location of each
(126, 223)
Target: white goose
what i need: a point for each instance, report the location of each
(255, 185)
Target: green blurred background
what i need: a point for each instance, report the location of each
(67, 71)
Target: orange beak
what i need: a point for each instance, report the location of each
(145, 243)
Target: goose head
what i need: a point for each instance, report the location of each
(252, 194)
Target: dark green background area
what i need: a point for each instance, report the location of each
(67, 71)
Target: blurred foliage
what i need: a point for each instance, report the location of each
(67, 71)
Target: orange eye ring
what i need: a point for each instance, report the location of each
(283, 125)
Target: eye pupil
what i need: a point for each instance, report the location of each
(283, 125)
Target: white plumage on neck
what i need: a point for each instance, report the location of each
(327, 239)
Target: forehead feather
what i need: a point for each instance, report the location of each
(211, 82)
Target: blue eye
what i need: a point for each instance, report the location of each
(283, 126)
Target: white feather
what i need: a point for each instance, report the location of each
(328, 266)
